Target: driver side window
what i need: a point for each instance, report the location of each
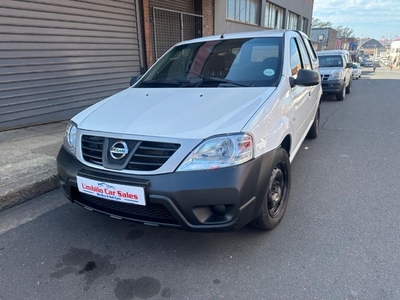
(295, 61)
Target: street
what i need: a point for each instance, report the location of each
(339, 239)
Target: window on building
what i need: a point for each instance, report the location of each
(273, 16)
(301, 23)
(292, 20)
(245, 11)
(304, 26)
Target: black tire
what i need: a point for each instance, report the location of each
(348, 88)
(277, 193)
(341, 95)
(314, 129)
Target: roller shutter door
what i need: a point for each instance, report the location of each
(59, 56)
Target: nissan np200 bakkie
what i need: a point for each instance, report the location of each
(204, 139)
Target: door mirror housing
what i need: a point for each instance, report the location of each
(305, 77)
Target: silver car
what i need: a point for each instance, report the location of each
(356, 71)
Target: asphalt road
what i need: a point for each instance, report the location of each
(340, 237)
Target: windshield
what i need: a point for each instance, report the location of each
(330, 61)
(222, 63)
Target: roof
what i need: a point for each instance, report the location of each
(372, 43)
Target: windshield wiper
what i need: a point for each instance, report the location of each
(222, 80)
(164, 81)
(192, 82)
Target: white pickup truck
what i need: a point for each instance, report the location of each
(204, 139)
(336, 72)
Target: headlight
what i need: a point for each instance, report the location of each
(337, 75)
(219, 152)
(70, 138)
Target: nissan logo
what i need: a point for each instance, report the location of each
(119, 150)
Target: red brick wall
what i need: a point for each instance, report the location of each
(208, 17)
(147, 33)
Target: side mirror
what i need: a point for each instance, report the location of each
(305, 77)
(349, 65)
(134, 79)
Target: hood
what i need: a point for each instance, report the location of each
(174, 112)
(329, 70)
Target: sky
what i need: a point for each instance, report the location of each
(368, 18)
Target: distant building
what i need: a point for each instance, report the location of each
(327, 37)
(350, 44)
(394, 55)
(372, 47)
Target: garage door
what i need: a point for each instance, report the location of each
(60, 56)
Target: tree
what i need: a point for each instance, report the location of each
(317, 23)
(344, 32)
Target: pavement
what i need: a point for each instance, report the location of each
(28, 166)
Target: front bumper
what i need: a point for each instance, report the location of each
(332, 86)
(211, 200)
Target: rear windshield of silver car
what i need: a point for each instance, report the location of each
(249, 62)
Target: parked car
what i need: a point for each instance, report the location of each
(204, 140)
(356, 70)
(369, 64)
(336, 72)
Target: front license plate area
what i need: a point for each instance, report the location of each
(112, 191)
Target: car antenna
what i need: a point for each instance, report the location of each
(230, 23)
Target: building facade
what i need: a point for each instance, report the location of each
(61, 56)
(372, 47)
(326, 37)
(394, 55)
(248, 15)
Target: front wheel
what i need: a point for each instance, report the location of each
(340, 96)
(314, 129)
(348, 88)
(277, 193)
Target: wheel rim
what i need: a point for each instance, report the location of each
(277, 190)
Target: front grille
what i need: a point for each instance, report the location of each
(92, 149)
(324, 77)
(152, 212)
(148, 155)
(151, 156)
